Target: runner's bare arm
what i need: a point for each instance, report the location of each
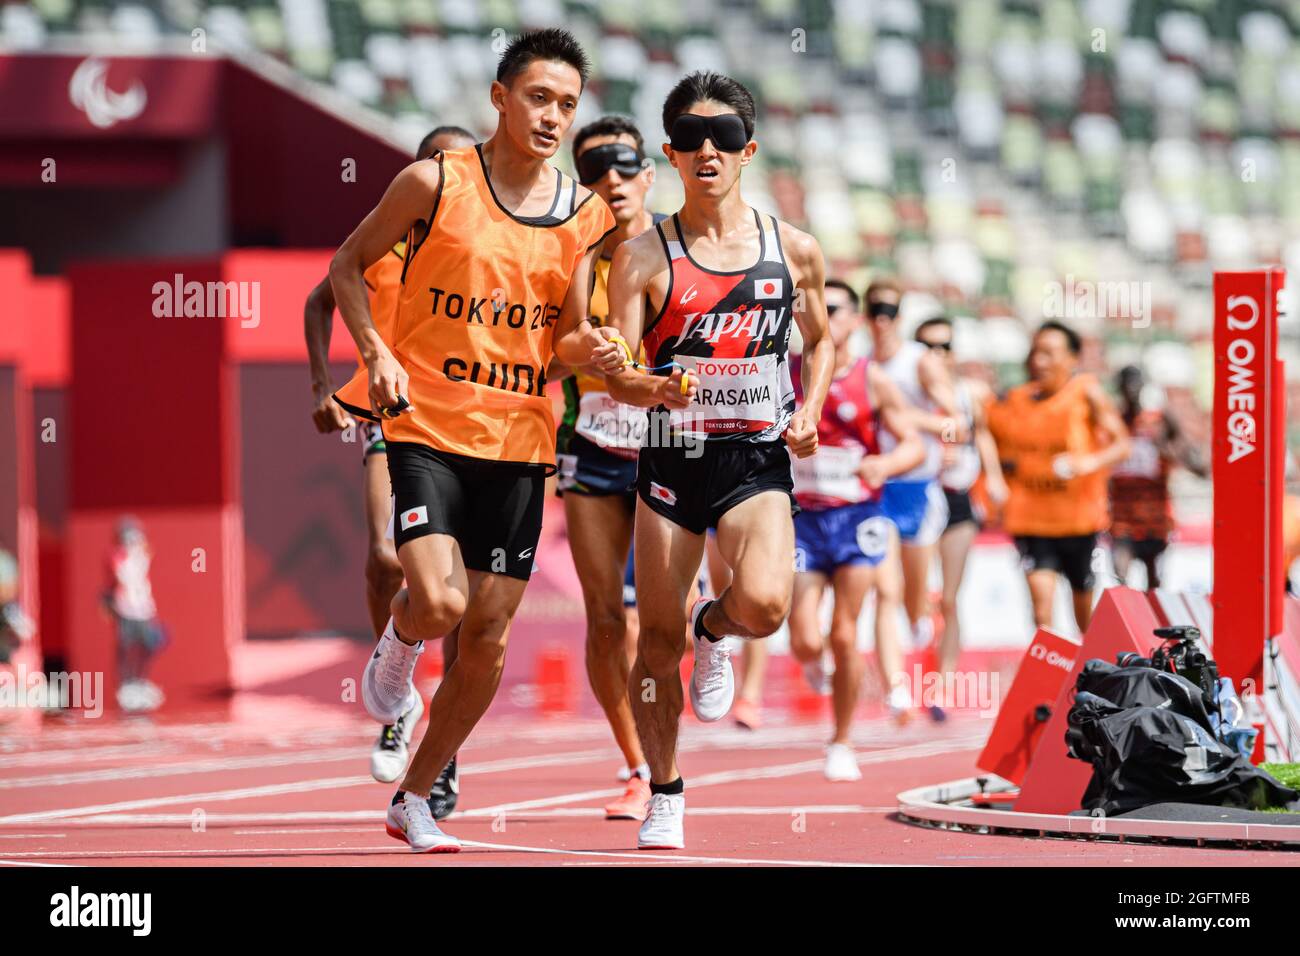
(557, 371)
(577, 342)
(317, 324)
(406, 201)
(805, 258)
(1109, 427)
(895, 417)
(635, 263)
(1178, 448)
(946, 423)
(994, 482)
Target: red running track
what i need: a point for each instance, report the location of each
(270, 778)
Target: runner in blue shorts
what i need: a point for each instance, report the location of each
(915, 500)
(842, 534)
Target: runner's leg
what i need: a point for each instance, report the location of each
(600, 529)
(954, 548)
(806, 640)
(1042, 593)
(850, 584)
(889, 607)
(383, 570)
(916, 580)
(756, 538)
(469, 685)
(667, 562)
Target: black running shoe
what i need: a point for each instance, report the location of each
(442, 798)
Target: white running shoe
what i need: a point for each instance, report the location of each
(713, 684)
(393, 748)
(662, 829)
(841, 763)
(411, 820)
(814, 672)
(900, 703)
(386, 687)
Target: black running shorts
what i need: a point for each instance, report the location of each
(493, 509)
(1070, 557)
(960, 509)
(695, 492)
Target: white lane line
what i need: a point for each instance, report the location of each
(211, 819)
(258, 761)
(188, 768)
(373, 816)
(328, 783)
(368, 818)
(31, 863)
(33, 836)
(675, 858)
(211, 796)
(914, 751)
(214, 851)
(344, 850)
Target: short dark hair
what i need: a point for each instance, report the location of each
(705, 85)
(1072, 339)
(444, 131)
(931, 323)
(847, 289)
(551, 44)
(884, 283)
(612, 124)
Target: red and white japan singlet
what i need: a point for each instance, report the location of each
(733, 330)
(846, 433)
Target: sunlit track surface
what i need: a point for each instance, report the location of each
(227, 788)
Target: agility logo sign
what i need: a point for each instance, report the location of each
(88, 90)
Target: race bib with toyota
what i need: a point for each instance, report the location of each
(619, 429)
(734, 396)
(831, 473)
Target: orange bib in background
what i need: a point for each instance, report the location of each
(476, 316)
(1030, 432)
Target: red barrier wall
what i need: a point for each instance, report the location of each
(154, 407)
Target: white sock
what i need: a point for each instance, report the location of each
(923, 633)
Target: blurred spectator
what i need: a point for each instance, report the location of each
(130, 602)
(1141, 510)
(15, 626)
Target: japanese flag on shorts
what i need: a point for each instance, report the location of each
(413, 516)
(666, 495)
(769, 288)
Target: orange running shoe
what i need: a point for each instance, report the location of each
(747, 714)
(630, 806)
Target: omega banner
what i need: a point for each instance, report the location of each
(1249, 453)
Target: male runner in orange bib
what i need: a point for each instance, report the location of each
(1058, 436)
(498, 270)
(711, 294)
(390, 753)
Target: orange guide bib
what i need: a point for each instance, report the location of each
(476, 315)
(1029, 434)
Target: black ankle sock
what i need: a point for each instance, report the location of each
(701, 630)
(397, 797)
(674, 788)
